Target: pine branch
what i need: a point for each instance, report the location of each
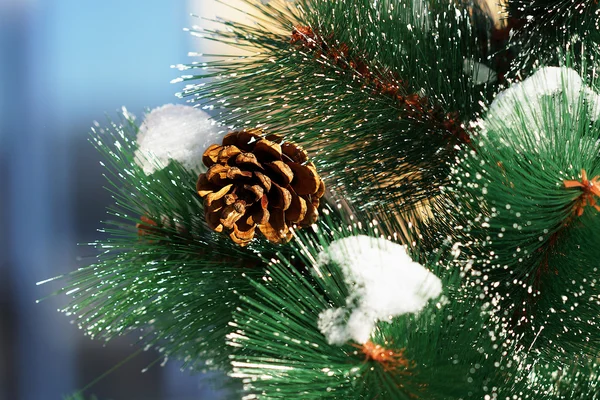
(162, 271)
(279, 350)
(411, 106)
(372, 106)
(561, 378)
(525, 223)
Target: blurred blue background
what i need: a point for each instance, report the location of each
(64, 64)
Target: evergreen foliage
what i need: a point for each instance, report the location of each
(398, 97)
(401, 106)
(280, 352)
(170, 278)
(520, 225)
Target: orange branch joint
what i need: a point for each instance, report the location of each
(147, 227)
(590, 190)
(390, 360)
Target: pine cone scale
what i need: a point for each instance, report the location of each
(265, 181)
(217, 195)
(217, 174)
(294, 153)
(213, 216)
(276, 230)
(279, 197)
(306, 180)
(242, 233)
(256, 190)
(259, 213)
(248, 160)
(204, 187)
(228, 152)
(267, 150)
(282, 173)
(211, 155)
(235, 172)
(232, 213)
(297, 210)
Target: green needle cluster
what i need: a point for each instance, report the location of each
(400, 105)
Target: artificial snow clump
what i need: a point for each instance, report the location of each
(528, 100)
(383, 281)
(175, 132)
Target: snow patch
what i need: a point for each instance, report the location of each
(175, 132)
(383, 281)
(526, 99)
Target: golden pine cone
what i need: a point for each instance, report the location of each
(258, 182)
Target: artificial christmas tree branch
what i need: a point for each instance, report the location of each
(171, 275)
(454, 252)
(339, 81)
(413, 106)
(525, 228)
(401, 361)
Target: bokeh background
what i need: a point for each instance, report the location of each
(63, 65)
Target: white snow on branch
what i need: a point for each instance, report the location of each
(527, 101)
(383, 281)
(175, 132)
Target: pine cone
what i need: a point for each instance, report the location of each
(258, 182)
